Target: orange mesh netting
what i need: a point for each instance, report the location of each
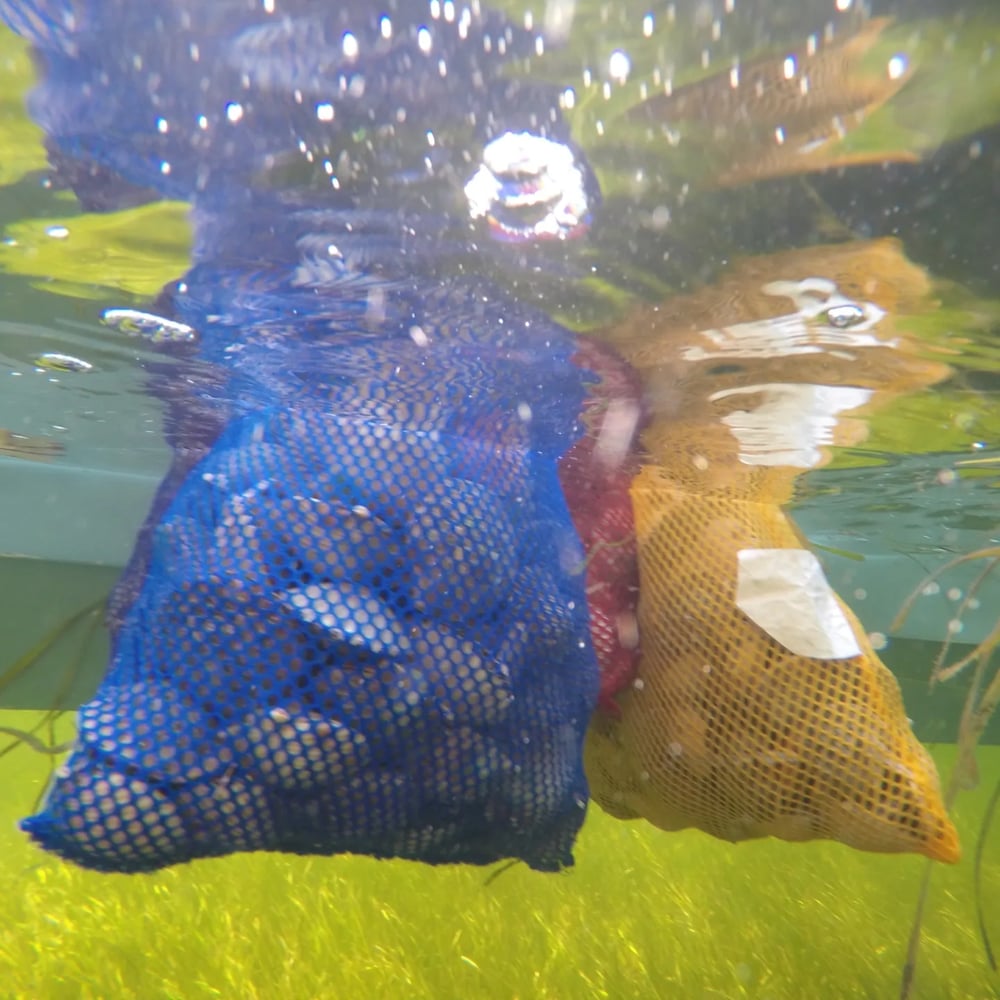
(760, 707)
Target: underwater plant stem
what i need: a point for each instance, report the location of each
(28, 737)
(977, 881)
(942, 673)
(992, 553)
(20, 665)
(913, 944)
(502, 868)
(976, 712)
(35, 743)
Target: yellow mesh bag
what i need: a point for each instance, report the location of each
(743, 722)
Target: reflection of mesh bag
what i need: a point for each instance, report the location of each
(728, 730)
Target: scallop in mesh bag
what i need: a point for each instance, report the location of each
(347, 638)
(363, 616)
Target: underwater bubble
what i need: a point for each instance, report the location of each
(659, 218)
(529, 187)
(149, 326)
(558, 19)
(845, 314)
(619, 66)
(897, 67)
(53, 361)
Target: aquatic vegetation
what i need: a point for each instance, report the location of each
(20, 138)
(981, 701)
(717, 101)
(644, 914)
(41, 735)
(99, 256)
(771, 125)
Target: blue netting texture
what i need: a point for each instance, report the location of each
(357, 629)
(356, 618)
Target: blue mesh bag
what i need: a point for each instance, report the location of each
(353, 633)
(356, 617)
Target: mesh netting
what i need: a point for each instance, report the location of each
(730, 731)
(359, 621)
(357, 616)
(394, 566)
(726, 728)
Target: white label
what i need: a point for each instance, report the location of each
(785, 592)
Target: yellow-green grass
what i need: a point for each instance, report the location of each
(643, 914)
(20, 138)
